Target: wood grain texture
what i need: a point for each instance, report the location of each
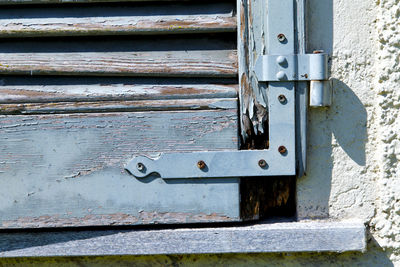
(111, 19)
(118, 106)
(260, 238)
(207, 63)
(68, 170)
(28, 2)
(126, 90)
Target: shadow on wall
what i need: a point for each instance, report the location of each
(345, 120)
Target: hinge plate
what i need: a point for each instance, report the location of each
(298, 67)
(215, 164)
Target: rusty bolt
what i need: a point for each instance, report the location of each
(201, 164)
(281, 37)
(262, 163)
(282, 149)
(140, 166)
(282, 98)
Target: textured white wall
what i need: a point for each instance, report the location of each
(354, 147)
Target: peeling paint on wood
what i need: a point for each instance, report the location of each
(69, 169)
(111, 19)
(129, 90)
(24, 2)
(253, 101)
(113, 106)
(64, 142)
(207, 63)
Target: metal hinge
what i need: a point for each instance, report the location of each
(306, 67)
(300, 67)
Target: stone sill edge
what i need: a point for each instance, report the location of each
(307, 236)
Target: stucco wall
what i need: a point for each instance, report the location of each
(354, 146)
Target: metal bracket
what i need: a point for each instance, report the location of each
(281, 68)
(215, 164)
(301, 67)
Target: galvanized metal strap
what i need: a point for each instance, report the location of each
(215, 164)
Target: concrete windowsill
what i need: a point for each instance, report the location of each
(310, 236)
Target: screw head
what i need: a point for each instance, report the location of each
(282, 149)
(140, 166)
(201, 164)
(262, 163)
(282, 99)
(281, 37)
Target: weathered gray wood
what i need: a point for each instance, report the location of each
(275, 237)
(114, 106)
(207, 63)
(154, 18)
(27, 92)
(68, 170)
(24, 2)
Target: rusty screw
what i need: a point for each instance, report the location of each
(282, 149)
(282, 98)
(201, 164)
(262, 163)
(140, 166)
(281, 37)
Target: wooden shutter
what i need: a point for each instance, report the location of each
(86, 85)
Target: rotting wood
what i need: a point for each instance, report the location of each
(118, 106)
(120, 19)
(207, 63)
(254, 105)
(272, 196)
(33, 93)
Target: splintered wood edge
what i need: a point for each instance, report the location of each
(310, 236)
